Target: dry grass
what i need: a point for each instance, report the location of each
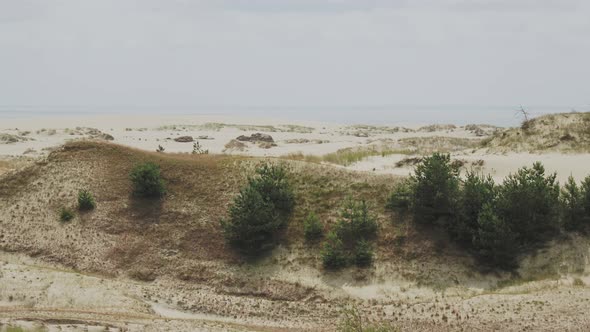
(142, 233)
(578, 282)
(428, 145)
(177, 240)
(565, 132)
(405, 146)
(5, 165)
(348, 156)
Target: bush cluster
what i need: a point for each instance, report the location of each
(497, 222)
(349, 242)
(260, 210)
(147, 180)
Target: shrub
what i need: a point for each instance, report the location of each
(578, 282)
(529, 202)
(198, 149)
(401, 197)
(586, 198)
(85, 200)
(312, 227)
(493, 239)
(147, 180)
(259, 211)
(363, 253)
(65, 214)
(572, 205)
(436, 187)
(273, 183)
(356, 221)
(333, 253)
(252, 222)
(350, 236)
(497, 222)
(476, 191)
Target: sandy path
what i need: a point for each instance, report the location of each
(59, 299)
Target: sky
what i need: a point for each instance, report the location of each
(294, 53)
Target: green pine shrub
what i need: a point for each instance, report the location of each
(273, 183)
(259, 211)
(350, 237)
(476, 191)
(356, 221)
(252, 223)
(529, 202)
(86, 200)
(66, 214)
(312, 227)
(436, 189)
(571, 199)
(401, 198)
(493, 238)
(585, 189)
(495, 222)
(333, 254)
(363, 253)
(147, 180)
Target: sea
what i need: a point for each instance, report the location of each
(505, 116)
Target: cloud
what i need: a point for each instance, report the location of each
(294, 52)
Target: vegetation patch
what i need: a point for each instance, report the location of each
(312, 227)
(86, 200)
(66, 214)
(348, 242)
(564, 132)
(261, 209)
(348, 156)
(147, 180)
(495, 222)
(353, 321)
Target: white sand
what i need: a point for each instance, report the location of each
(143, 132)
(497, 165)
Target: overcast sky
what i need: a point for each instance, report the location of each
(294, 52)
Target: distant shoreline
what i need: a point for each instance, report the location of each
(373, 115)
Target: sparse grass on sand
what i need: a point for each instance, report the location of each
(200, 189)
(565, 132)
(441, 144)
(177, 240)
(407, 146)
(348, 156)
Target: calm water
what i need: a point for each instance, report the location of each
(392, 115)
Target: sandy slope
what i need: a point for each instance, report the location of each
(37, 295)
(131, 266)
(134, 267)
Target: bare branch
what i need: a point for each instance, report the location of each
(524, 113)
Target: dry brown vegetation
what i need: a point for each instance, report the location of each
(564, 132)
(176, 237)
(428, 145)
(175, 252)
